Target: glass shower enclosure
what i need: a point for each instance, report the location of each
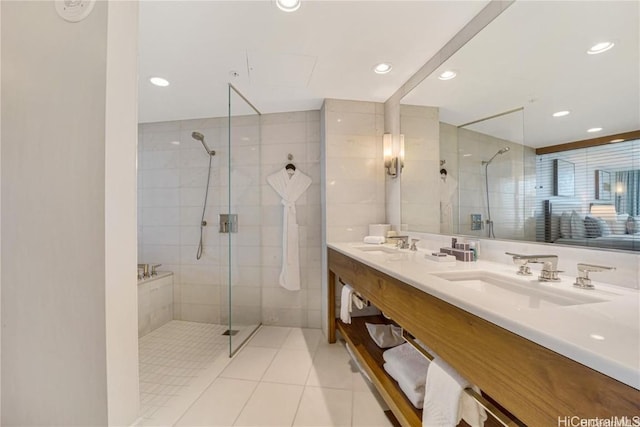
(241, 220)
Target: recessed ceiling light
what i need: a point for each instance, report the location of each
(561, 113)
(175, 142)
(617, 140)
(159, 81)
(597, 337)
(447, 75)
(288, 5)
(600, 47)
(592, 130)
(382, 68)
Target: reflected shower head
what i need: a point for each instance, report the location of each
(200, 137)
(500, 151)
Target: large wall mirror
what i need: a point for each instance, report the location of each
(525, 88)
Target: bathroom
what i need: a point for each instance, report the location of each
(350, 190)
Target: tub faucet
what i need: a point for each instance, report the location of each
(583, 281)
(145, 270)
(154, 272)
(549, 272)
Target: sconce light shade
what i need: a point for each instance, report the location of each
(393, 161)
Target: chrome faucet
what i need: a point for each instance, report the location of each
(549, 272)
(583, 281)
(145, 271)
(413, 244)
(402, 242)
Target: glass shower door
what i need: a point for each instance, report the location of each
(244, 221)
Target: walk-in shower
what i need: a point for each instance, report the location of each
(486, 164)
(200, 137)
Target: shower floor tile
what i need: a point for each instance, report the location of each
(177, 362)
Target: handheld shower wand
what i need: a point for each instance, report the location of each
(200, 137)
(486, 164)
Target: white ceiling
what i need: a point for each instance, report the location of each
(534, 56)
(285, 61)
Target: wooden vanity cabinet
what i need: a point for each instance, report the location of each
(536, 385)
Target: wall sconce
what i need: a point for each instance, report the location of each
(393, 156)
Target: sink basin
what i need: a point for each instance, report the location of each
(514, 291)
(377, 249)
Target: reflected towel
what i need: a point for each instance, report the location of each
(445, 401)
(345, 303)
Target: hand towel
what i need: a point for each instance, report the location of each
(374, 240)
(409, 366)
(416, 397)
(444, 401)
(345, 303)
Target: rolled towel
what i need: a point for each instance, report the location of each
(445, 402)
(374, 240)
(345, 303)
(408, 365)
(416, 397)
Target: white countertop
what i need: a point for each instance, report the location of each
(604, 336)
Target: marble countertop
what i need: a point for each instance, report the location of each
(601, 332)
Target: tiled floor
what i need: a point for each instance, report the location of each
(284, 377)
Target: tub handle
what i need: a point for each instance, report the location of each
(153, 269)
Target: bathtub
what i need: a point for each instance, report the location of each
(155, 302)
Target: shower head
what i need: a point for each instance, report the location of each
(500, 151)
(197, 136)
(200, 137)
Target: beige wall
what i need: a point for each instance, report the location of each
(69, 350)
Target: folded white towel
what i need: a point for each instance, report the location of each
(445, 402)
(374, 240)
(409, 365)
(345, 303)
(416, 397)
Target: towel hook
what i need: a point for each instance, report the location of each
(290, 166)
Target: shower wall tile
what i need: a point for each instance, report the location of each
(172, 181)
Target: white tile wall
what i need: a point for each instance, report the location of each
(354, 183)
(420, 178)
(353, 177)
(172, 180)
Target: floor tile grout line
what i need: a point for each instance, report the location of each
(255, 387)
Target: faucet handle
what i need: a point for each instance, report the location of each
(153, 269)
(413, 244)
(583, 281)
